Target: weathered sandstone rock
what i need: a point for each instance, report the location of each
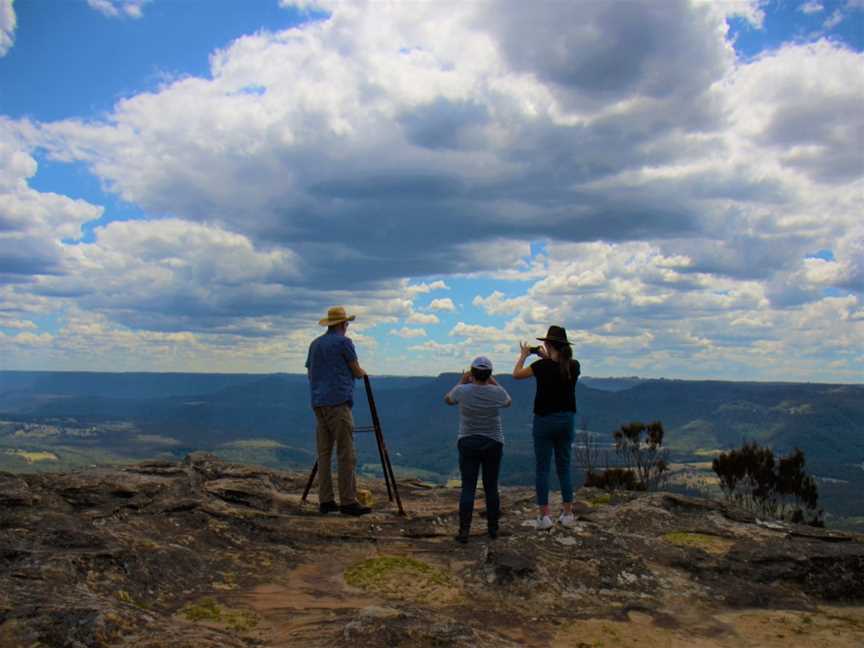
(202, 554)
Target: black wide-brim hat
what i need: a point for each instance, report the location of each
(556, 334)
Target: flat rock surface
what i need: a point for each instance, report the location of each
(203, 553)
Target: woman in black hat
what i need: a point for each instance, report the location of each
(556, 373)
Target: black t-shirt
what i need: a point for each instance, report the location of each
(554, 392)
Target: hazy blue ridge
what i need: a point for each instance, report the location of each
(267, 419)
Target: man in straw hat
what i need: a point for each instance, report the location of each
(332, 365)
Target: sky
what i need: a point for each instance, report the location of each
(188, 185)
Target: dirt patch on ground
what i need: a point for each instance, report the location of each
(838, 627)
(300, 601)
(639, 631)
(325, 595)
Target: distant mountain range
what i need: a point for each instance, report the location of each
(266, 418)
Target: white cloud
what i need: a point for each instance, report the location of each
(477, 332)
(644, 319)
(172, 274)
(29, 340)
(119, 8)
(811, 7)
(407, 332)
(678, 202)
(497, 304)
(422, 318)
(9, 323)
(443, 304)
(32, 223)
(802, 111)
(749, 10)
(834, 19)
(447, 350)
(423, 288)
(7, 26)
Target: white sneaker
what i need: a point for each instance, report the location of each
(544, 523)
(567, 520)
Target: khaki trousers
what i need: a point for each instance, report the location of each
(335, 425)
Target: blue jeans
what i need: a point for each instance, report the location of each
(476, 452)
(553, 433)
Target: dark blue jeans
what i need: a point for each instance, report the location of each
(553, 433)
(478, 452)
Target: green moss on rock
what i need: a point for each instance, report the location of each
(707, 543)
(208, 610)
(402, 577)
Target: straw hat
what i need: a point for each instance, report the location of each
(336, 315)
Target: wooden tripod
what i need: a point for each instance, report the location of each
(386, 466)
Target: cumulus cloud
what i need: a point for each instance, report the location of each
(650, 314)
(805, 109)
(422, 318)
(407, 332)
(497, 304)
(7, 26)
(476, 332)
(32, 223)
(167, 274)
(119, 8)
(423, 288)
(749, 10)
(9, 323)
(444, 304)
(300, 148)
(811, 7)
(28, 340)
(678, 193)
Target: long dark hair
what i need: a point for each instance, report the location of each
(565, 359)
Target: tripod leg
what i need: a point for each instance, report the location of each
(309, 483)
(379, 437)
(389, 477)
(389, 469)
(381, 453)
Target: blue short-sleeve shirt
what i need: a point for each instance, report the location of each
(331, 381)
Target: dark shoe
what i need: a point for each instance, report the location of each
(327, 507)
(493, 532)
(462, 536)
(354, 509)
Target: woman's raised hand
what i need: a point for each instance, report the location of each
(524, 350)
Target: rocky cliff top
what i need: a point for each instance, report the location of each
(204, 553)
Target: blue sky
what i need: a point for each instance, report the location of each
(189, 185)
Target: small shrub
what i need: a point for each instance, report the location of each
(751, 477)
(640, 446)
(613, 479)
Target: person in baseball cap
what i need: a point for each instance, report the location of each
(480, 441)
